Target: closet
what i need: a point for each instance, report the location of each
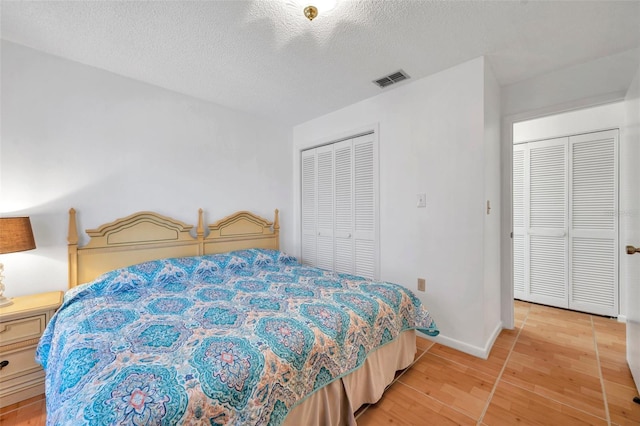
(565, 218)
(340, 206)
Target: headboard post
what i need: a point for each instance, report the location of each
(72, 239)
(200, 232)
(276, 230)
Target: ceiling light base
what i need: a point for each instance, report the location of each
(310, 12)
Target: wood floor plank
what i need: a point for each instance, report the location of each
(611, 341)
(423, 344)
(458, 386)
(33, 414)
(520, 311)
(622, 409)
(490, 366)
(565, 371)
(20, 404)
(513, 405)
(617, 372)
(506, 339)
(611, 326)
(557, 315)
(404, 406)
(562, 332)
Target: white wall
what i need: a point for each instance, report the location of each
(77, 136)
(431, 138)
(492, 188)
(601, 80)
(601, 117)
(630, 223)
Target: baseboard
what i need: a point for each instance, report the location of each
(622, 318)
(477, 351)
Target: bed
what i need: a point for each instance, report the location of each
(169, 324)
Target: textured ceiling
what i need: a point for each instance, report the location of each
(264, 57)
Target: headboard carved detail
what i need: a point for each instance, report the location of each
(139, 227)
(147, 236)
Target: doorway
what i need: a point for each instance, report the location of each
(565, 210)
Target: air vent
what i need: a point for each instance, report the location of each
(390, 79)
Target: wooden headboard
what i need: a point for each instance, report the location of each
(147, 236)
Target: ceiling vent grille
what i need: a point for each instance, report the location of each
(390, 79)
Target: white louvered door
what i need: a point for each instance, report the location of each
(324, 178)
(343, 236)
(547, 233)
(339, 206)
(593, 234)
(309, 227)
(520, 221)
(565, 226)
(365, 181)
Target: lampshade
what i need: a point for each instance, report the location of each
(16, 234)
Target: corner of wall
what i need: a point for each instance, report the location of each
(477, 351)
(493, 200)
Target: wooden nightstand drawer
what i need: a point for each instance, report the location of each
(21, 361)
(21, 326)
(22, 329)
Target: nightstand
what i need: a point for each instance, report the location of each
(21, 325)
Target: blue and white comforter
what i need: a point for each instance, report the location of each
(236, 338)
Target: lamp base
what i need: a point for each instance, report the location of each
(3, 300)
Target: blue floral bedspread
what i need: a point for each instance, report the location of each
(235, 338)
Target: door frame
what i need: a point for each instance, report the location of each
(316, 142)
(506, 157)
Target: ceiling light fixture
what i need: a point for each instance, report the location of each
(310, 12)
(320, 6)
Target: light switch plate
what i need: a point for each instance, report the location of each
(421, 200)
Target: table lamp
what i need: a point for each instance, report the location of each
(15, 235)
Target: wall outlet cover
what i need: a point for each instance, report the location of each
(422, 284)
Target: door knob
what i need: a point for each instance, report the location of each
(632, 249)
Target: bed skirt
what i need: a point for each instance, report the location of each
(336, 403)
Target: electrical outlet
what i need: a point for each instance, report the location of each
(422, 284)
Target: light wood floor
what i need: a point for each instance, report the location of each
(556, 367)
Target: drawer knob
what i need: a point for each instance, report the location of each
(3, 364)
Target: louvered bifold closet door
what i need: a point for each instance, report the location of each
(593, 205)
(365, 205)
(324, 210)
(343, 184)
(548, 211)
(309, 207)
(520, 221)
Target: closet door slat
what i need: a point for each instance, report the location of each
(520, 222)
(365, 199)
(547, 248)
(593, 234)
(325, 207)
(309, 231)
(344, 249)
